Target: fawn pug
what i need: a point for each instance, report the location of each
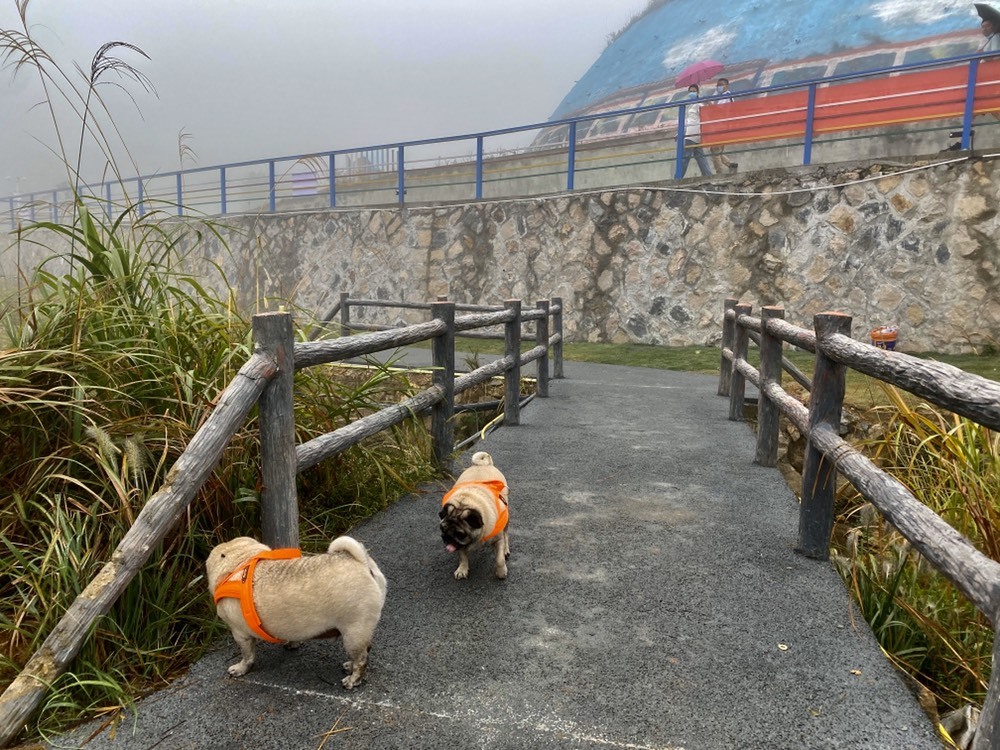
(474, 513)
(282, 595)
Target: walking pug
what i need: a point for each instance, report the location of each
(283, 595)
(474, 513)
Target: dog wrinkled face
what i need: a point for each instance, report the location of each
(460, 527)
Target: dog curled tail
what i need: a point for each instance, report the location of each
(482, 458)
(357, 550)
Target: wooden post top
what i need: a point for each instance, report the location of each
(275, 314)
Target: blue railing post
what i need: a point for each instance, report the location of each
(400, 188)
(180, 195)
(479, 167)
(810, 120)
(55, 206)
(333, 180)
(138, 182)
(679, 150)
(222, 189)
(107, 193)
(571, 160)
(272, 199)
(970, 101)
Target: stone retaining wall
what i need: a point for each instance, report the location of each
(914, 247)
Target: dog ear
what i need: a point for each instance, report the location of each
(474, 519)
(445, 510)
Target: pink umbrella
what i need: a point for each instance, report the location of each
(698, 72)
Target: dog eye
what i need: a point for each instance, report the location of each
(445, 510)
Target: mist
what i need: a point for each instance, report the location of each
(260, 78)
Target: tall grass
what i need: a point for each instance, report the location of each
(107, 371)
(928, 628)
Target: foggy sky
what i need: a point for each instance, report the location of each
(249, 79)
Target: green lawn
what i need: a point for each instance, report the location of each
(862, 390)
(706, 358)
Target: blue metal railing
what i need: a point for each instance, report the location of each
(369, 170)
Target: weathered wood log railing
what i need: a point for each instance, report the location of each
(347, 325)
(978, 399)
(266, 380)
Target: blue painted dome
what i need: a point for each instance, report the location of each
(766, 42)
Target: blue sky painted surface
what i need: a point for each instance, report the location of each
(684, 31)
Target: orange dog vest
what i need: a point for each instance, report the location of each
(495, 486)
(239, 585)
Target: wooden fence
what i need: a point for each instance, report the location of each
(976, 398)
(266, 380)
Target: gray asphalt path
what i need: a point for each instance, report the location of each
(654, 602)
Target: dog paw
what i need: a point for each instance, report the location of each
(238, 670)
(291, 645)
(501, 573)
(350, 682)
(348, 666)
(461, 573)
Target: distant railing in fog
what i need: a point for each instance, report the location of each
(798, 115)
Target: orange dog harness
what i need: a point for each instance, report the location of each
(495, 487)
(239, 585)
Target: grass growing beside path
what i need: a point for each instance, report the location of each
(106, 371)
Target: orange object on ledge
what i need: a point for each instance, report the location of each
(884, 337)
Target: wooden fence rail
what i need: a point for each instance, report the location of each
(266, 381)
(978, 399)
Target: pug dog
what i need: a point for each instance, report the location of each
(284, 596)
(474, 512)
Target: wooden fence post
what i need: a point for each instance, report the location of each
(443, 349)
(345, 314)
(512, 378)
(725, 366)
(279, 507)
(770, 372)
(542, 339)
(557, 329)
(819, 475)
(737, 383)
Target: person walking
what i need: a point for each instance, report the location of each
(990, 26)
(719, 161)
(692, 135)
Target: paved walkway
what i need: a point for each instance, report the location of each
(654, 601)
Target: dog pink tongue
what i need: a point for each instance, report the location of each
(451, 547)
